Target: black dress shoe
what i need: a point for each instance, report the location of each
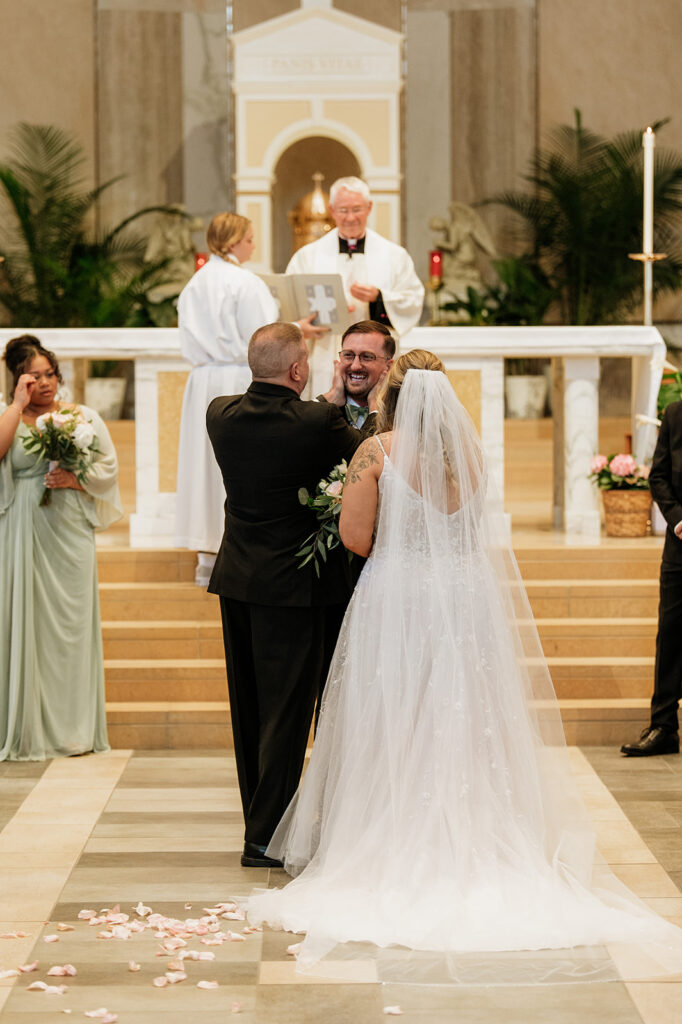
(652, 742)
(254, 857)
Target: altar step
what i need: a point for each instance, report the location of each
(595, 610)
(549, 598)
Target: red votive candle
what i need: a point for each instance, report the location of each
(200, 258)
(436, 264)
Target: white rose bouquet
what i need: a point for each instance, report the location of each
(326, 503)
(65, 439)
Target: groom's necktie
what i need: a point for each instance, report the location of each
(355, 414)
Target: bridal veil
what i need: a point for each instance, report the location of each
(438, 828)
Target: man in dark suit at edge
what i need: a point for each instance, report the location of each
(662, 736)
(278, 620)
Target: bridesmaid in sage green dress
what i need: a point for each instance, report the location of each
(51, 669)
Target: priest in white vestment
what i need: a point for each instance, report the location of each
(379, 278)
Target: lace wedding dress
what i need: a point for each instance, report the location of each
(438, 812)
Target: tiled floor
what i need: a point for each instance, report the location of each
(164, 828)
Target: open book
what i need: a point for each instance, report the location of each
(299, 295)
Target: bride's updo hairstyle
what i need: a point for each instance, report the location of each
(415, 359)
(20, 353)
(224, 231)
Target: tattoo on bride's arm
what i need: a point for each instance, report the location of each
(365, 456)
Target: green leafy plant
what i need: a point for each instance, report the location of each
(584, 213)
(326, 504)
(671, 387)
(57, 270)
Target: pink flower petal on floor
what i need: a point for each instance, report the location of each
(98, 1014)
(85, 915)
(61, 927)
(14, 935)
(293, 950)
(234, 915)
(160, 982)
(207, 984)
(142, 910)
(50, 990)
(217, 940)
(11, 973)
(236, 1008)
(236, 937)
(175, 976)
(392, 1011)
(132, 966)
(170, 945)
(188, 906)
(50, 938)
(104, 935)
(59, 971)
(27, 968)
(119, 931)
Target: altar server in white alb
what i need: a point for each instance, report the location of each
(218, 311)
(379, 278)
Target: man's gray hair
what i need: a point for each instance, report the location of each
(351, 185)
(274, 348)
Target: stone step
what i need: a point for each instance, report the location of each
(169, 725)
(603, 637)
(608, 678)
(542, 564)
(575, 598)
(142, 565)
(144, 601)
(155, 725)
(191, 679)
(550, 598)
(159, 639)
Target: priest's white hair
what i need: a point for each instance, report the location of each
(351, 185)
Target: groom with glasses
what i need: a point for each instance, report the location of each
(367, 350)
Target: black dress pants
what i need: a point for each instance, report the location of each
(668, 671)
(276, 663)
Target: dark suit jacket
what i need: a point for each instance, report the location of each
(666, 478)
(268, 444)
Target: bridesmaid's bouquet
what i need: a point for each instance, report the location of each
(64, 439)
(326, 504)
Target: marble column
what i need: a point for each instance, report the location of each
(581, 441)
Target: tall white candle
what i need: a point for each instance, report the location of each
(648, 142)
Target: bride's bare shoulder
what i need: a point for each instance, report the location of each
(367, 461)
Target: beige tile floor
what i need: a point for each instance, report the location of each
(164, 827)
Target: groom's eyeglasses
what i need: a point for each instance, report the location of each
(364, 357)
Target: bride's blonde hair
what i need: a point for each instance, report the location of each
(416, 359)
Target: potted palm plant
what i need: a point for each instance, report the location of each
(58, 270)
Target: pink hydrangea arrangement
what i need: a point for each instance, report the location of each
(618, 472)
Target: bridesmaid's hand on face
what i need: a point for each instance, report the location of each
(23, 390)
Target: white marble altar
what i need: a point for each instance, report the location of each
(160, 371)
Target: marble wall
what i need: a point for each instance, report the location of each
(143, 85)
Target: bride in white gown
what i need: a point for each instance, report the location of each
(438, 812)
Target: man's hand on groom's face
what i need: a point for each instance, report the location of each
(337, 392)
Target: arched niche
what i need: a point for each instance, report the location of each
(293, 176)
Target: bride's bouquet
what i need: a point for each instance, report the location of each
(326, 503)
(64, 439)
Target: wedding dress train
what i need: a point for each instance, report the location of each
(438, 812)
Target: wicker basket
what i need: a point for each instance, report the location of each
(626, 513)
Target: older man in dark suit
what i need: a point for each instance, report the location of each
(279, 621)
(662, 736)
